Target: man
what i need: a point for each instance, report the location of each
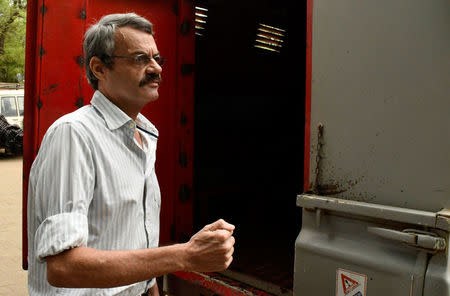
(94, 200)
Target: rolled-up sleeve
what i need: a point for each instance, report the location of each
(60, 232)
(64, 183)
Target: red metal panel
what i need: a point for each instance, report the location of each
(60, 75)
(30, 118)
(183, 210)
(56, 85)
(53, 76)
(309, 14)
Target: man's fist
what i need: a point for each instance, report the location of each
(210, 249)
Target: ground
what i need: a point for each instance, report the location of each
(13, 280)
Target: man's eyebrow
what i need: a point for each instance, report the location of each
(142, 52)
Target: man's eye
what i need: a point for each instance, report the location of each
(160, 60)
(142, 59)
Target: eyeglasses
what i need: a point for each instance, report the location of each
(143, 59)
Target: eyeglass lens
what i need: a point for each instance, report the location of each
(144, 59)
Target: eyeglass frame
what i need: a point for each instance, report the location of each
(157, 58)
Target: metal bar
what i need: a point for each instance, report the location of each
(268, 42)
(271, 32)
(404, 215)
(200, 14)
(273, 28)
(219, 286)
(201, 8)
(254, 282)
(266, 36)
(266, 47)
(392, 234)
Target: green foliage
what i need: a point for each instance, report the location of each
(12, 39)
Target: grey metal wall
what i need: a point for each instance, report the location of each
(381, 88)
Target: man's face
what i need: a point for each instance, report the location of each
(130, 83)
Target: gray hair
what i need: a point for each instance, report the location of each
(99, 39)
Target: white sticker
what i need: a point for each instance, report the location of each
(349, 283)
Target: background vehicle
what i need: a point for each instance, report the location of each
(250, 117)
(12, 106)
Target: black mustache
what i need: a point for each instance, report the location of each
(152, 77)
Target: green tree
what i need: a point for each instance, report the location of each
(12, 39)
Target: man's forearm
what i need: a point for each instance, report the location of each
(210, 249)
(84, 267)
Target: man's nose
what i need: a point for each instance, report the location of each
(153, 67)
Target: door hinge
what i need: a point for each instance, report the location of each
(424, 240)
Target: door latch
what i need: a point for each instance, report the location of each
(428, 241)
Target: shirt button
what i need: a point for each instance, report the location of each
(131, 125)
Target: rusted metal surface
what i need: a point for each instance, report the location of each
(219, 284)
(265, 286)
(316, 185)
(330, 187)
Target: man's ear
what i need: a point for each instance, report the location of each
(98, 68)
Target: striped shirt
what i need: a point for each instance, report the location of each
(92, 185)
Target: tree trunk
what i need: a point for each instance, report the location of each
(5, 29)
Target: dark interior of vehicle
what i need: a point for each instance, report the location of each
(249, 128)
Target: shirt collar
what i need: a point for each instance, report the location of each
(145, 124)
(115, 117)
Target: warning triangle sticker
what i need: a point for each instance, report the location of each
(348, 284)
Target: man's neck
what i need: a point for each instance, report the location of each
(131, 111)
